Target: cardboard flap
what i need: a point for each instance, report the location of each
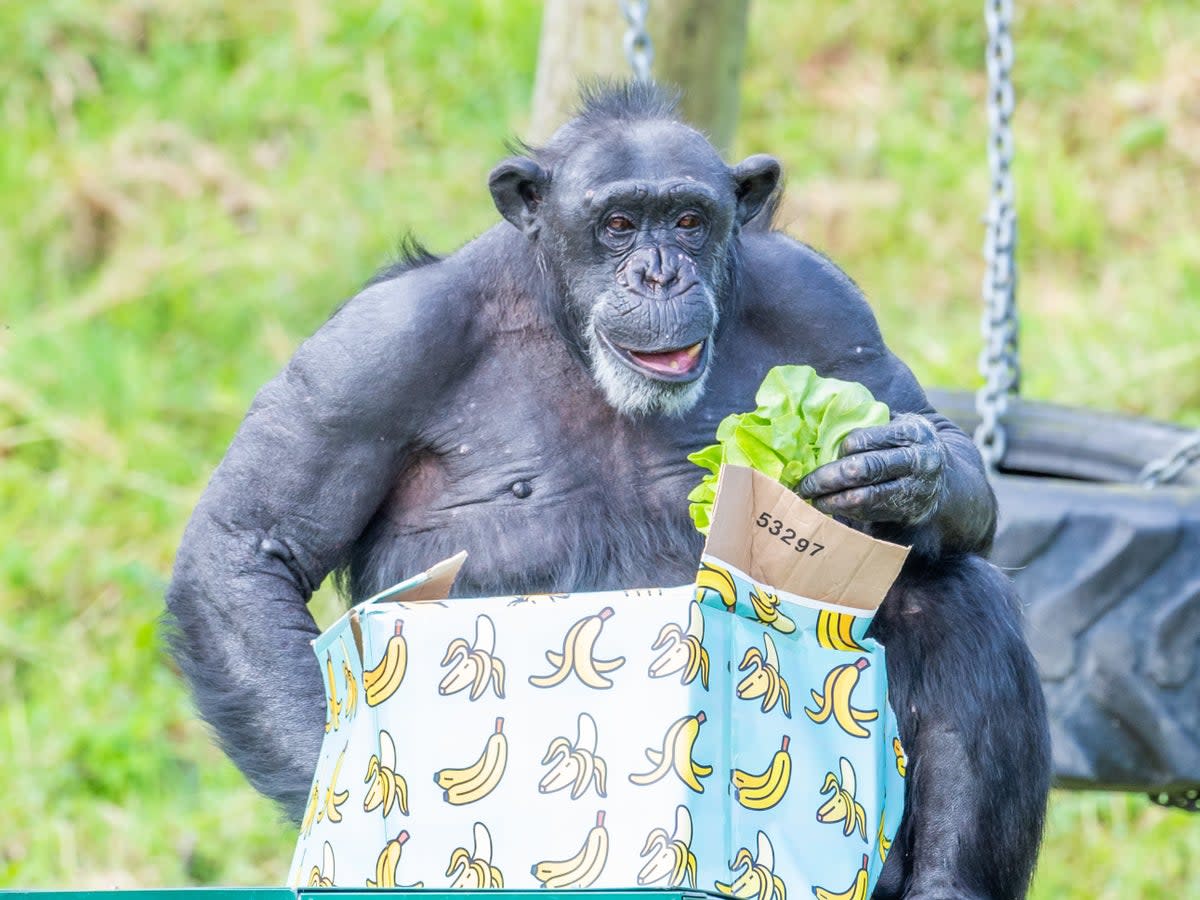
(432, 584)
(776, 538)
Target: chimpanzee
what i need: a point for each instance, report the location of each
(532, 398)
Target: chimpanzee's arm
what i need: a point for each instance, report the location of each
(304, 474)
(918, 480)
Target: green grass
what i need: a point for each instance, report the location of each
(187, 190)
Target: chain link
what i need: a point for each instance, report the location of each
(1163, 471)
(639, 49)
(999, 362)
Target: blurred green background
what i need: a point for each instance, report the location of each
(187, 189)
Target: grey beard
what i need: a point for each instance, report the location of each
(632, 394)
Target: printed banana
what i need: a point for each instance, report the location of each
(901, 757)
(383, 680)
(323, 876)
(676, 755)
(578, 765)
(578, 656)
(765, 789)
(842, 805)
(671, 858)
(766, 608)
(582, 869)
(856, 891)
(350, 705)
(385, 865)
(479, 779)
(473, 665)
(764, 680)
(331, 723)
(475, 870)
(719, 581)
(882, 843)
(387, 787)
(684, 650)
(758, 879)
(333, 797)
(835, 700)
(310, 812)
(835, 631)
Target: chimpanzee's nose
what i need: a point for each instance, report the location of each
(653, 268)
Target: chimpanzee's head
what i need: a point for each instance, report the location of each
(636, 216)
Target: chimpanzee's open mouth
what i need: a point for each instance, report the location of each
(681, 364)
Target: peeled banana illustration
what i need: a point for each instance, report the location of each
(671, 858)
(764, 789)
(582, 869)
(577, 655)
(323, 875)
(857, 889)
(577, 764)
(719, 581)
(474, 871)
(684, 650)
(479, 779)
(385, 866)
(835, 631)
(311, 811)
(386, 788)
(676, 754)
(901, 757)
(841, 806)
(383, 680)
(882, 843)
(335, 708)
(834, 700)
(766, 608)
(764, 679)
(350, 705)
(333, 797)
(758, 879)
(473, 665)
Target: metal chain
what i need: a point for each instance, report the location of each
(639, 50)
(1161, 471)
(999, 361)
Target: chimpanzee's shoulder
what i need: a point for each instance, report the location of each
(787, 284)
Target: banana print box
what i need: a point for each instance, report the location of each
(731, 735)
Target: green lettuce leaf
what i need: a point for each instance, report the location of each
(799, 424)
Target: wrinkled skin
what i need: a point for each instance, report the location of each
(532, 399)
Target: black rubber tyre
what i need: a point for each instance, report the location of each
(1110, 575)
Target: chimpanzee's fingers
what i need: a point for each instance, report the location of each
(860, 470)
(902, 431)
(892, 501)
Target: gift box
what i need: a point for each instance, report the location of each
(730, 735)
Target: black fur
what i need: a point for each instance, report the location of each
(452, 406)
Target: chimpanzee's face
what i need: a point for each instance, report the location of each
(638, 229)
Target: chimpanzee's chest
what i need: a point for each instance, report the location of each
(547, 488)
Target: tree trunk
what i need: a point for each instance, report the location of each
(698, 47)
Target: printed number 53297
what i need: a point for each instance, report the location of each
(788, 535)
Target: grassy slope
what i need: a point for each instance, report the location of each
(186, 190)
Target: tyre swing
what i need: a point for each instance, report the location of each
(1099, 528)
(1099, 521)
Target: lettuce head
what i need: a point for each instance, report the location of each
(798, 425)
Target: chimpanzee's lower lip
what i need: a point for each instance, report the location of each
(678, 365)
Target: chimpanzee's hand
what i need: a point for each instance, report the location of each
(886, 473)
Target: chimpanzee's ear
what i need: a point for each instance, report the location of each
(518, 186)
(754, 179)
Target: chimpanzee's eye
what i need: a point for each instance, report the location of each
(619, 224)
(688, 221)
